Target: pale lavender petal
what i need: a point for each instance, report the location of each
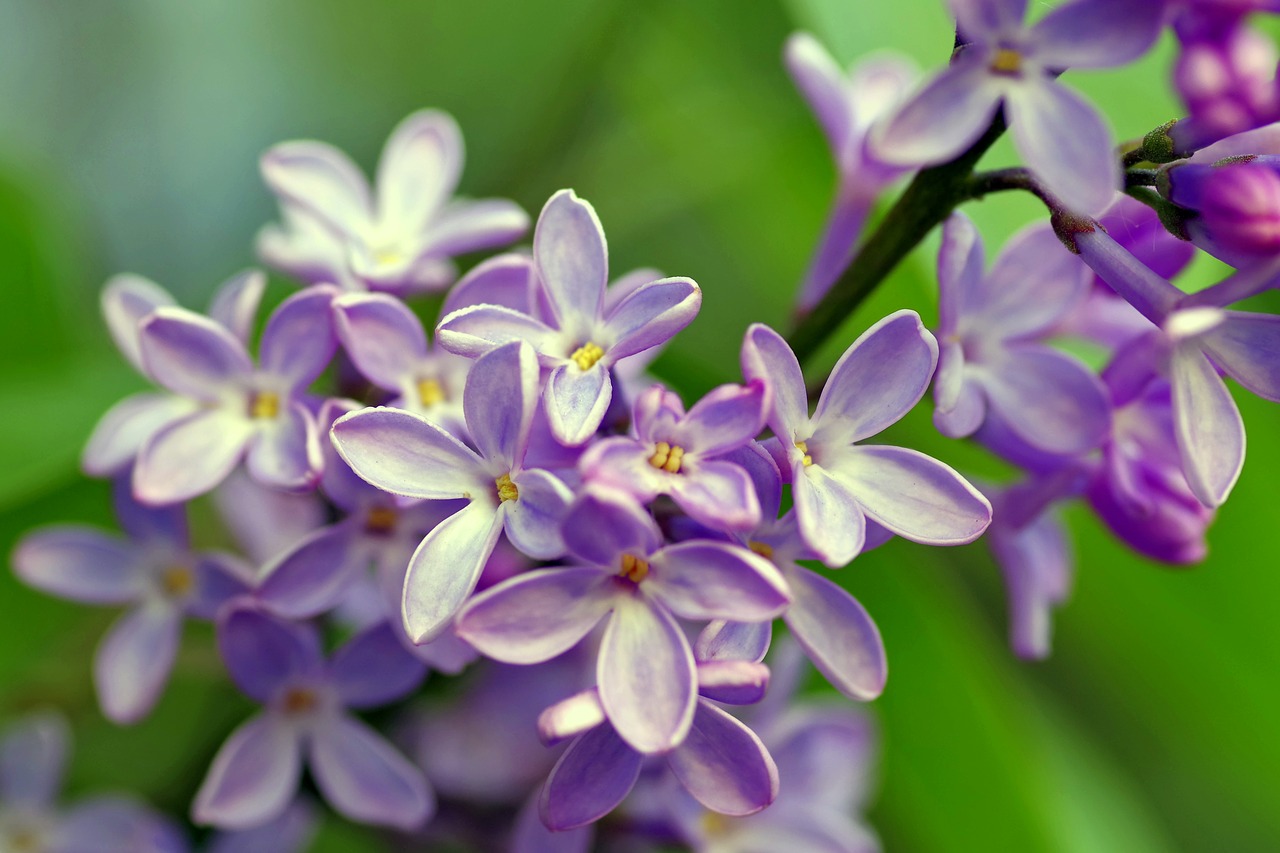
(849, 210)
(822, 82)
(532, 836)
(264, 522)
(373, 668)
(725, 418)
(126, 426)
(980, 18)
(591, 778)
(651, 315)
(148, 525)
(292, 832)
(1208, 425)
(703, 580)
(605, 524)
(942, 119)
(321, 180)
(192, 355)
(262, 654)
(533, 521)
(499, 400)
(113, 823)
(1033, 283)
(313, 577)
(724, 765)
(446, 567)
(365, 779)
(406, 454)
(878, 379)
(1097, 33)
(418, 170)
(235, 304)
(746, 641)
(467, 225)
(383, 337)
(1049, 399)
(1030, 560)
(646, 676)
(191, 456)
(831, 520)
(576, 401)
(475, 330)
(285, 454)
(299, 340)
(766, 480)
(538, 615)
(1247, 347)
(253, 777)
(766, 356)
(132, 665)
(217, 578)
(570, 717)
(837, 633)
(734, 682)
(571, 257)
(505, 281)
(127, 300)
(960, 262)
(718, 494)
(1065, 143)
(33, 756)
(959, 407)
(80, 564)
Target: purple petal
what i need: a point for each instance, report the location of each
(591, 778)
(406, 454)
(960, 407)
(114, 822)
(735, 682)
(218, 579)
(383, 337)
(374, 669)
(192, 355)
(766, 356)
(605, 524)
(532, 836)
(469, 226)
(533, 521)
(1097, 33)
(504, 281)
(571, 258)
(538, 615)
(80, 564)
(286, 454)
(959, 271)
(262, 654)
(980, 18)
(292, 832)
(474, 330)
(646, 676)
(942, 119)
(235, 304)
(164, 526)
(822, 82)
(1247, 347)
(1208, 426)
(831, 520)
(1049, 399)
(133, 663)
(576, 401)
(718, 494)
(766, 480)
(1065, 143)
(128, 425)
(446, 567)
(299, 340)
(265, 523)
(652, 315)
(570, 717)
(253, 777)
(190, 457)
(724, 765)
(313, 577)
(418, 170)
(500, 397)
(838, 635)
(127, 300)
(733, 641)
(715, 580)
(33, 756)
(726, 418)
(1032, 284)
(365, 779)
(1036, 564)
(321, 180)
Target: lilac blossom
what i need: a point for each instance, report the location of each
(1226, 75)
(623, 571)
(992, 355)
(153, 571)
(838, 483)
(291, 832)
(398, 236)
(584, 335)
(1235, 204)
(846, 104)
(242, 411)
(307, 720)
(264, 522)
(407, 455)
(1003, 62)
(680, 454)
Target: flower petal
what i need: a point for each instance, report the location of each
(127, 300)
(605, 523)
(725, 418)
(365, 779)
(467, 225)
(191, 456)
(418, 170)
(980, 18)
(831, 519)
(192, 355)
(253, 777)
(474, 330)
(446, 567)
(1247, 347)
(262, 653)
(1033, 283)
(285, 454)
(941, 119)
(724, 765)
(132, 665)
(405, 454)
(576, 401)
(960, 263)
(734, 682)
(312, 577)
(320, 180)
(373, 668)
(571, 257)
(235, 304)
(1208, 426)
(703, 580)
(128, 425)
(1049, 399)
(1097, 33)
(651, 315)
(80, 564)
(383, 337)
(299, 340)
(837, 633)
(718, 494)
(733, 641)
(766, 356)
(499, 400)
(591, 778)
(532, 836)
(822, 82)
(533, 521)
(33, 756)
(570, 717)
(504, 280)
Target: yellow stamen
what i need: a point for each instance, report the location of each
(587, 355)
(634, 569)
(177, 581)
(430, 392)
(803, 447)
(762, 549)
(1006, 61)
(387, 255)
(507, 490)
(667, 458)
(299, 700)
(24, 840)
(714, 824)
(264, 405)
(381, 519)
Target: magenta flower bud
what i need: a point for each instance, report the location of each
(1240, 208)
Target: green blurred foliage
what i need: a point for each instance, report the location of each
(128, 138)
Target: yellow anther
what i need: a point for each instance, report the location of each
(264, 405)
(177, 581)
(634, 569)
(381, 519)
(1006, 61)
(803, 447)
(587, 355)
(299, 700)
(507, 490)
(387, 255)
(762, 549)
(23, 840)
(667, 458)
(430, 392)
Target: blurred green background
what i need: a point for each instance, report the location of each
(129, 132)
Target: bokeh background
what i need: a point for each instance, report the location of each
(129, 135)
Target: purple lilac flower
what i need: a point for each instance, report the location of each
(837, 483)
(154, 571)
(992, 355)
(127, 300)
(242, 411)
(264, 522)
(255, 774)
(846, 104)
(399, 236)
(584, 335)
(33, 757)
(1004, 62)
(624, 571)
(404, 454)
(680, 454)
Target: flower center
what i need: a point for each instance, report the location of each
(299, 700)
(177, 581)
(507, 490)
(381, 520)
(803, 447)
(1006, 61)
(264, 405)
(762, 549)
(430, 392)
(587, 355)
(667, 458)
(634, 569)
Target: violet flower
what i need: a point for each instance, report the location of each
(624, 571)
(1003, 62)
(399, 236)
(407, 455)
(256, 773)
(584, 336)
(154, 571)
(837, 483)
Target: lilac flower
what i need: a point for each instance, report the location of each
(846, 104)
(680, 454)
(255, 774)
(33, 756)
(1236, 202)
(398, 237)
(838, 484)
(624, 571)
(584, 336)
(242, 411)
(154, 571)
(127, 300)
(264, 522)
(1226, 75)
(1004, 62)
(406, 455)
(992, 356)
